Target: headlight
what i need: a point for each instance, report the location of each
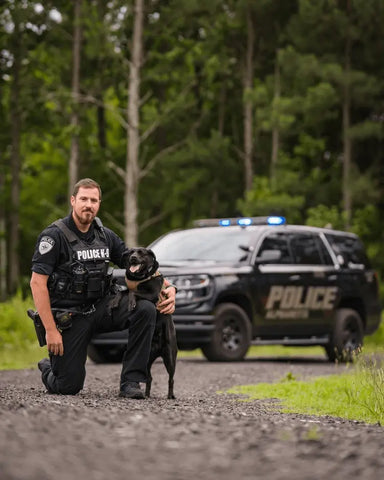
(192, 288)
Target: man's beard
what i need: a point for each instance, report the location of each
(87, 219)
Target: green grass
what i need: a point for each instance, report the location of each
(19, 357)
(356, 395)
(18, 344)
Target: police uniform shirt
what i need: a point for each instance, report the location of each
(52, 250)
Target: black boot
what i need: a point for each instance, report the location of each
(131, 390)
(45, 369)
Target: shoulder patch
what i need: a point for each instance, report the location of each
(46, 244)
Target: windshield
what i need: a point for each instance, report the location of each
(206, 244)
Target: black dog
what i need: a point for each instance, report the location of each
(142, 269)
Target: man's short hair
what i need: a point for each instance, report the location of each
(86, 183)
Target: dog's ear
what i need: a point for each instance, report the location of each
(155, 265)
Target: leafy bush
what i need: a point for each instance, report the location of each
(16, 328)
(18, 344)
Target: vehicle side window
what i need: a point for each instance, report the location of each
(350, 249)
(306, 249)
(277, 241)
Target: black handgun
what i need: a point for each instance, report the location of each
(39, 327)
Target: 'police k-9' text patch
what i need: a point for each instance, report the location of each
(46, 244)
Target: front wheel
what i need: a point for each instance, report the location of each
(347, 337)
(231, 336)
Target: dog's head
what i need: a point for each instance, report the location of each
(141, 263)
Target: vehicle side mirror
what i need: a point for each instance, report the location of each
(268, 256)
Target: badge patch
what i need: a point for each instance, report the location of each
(46, 245)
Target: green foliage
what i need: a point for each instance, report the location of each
(324, 216)
(191, 112)
(265, 200)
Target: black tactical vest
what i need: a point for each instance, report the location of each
(84, 278)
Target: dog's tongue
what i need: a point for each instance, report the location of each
(134, 268)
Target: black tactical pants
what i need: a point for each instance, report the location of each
(67, 373)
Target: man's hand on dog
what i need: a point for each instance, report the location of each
(167, 301)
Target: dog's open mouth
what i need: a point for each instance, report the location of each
(135, 268)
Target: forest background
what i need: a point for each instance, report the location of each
(186, 109)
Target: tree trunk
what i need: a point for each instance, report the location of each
(73, 171)
(3, 246)
(275, 119)
(248, 107)
(347, 141)
(222, 104)
(14, 234)
(101, 123)
(3, 243)
(133, 144)
(101, 127)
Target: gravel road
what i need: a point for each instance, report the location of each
(202, 434)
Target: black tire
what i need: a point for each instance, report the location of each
(106, 353)
(231, 337)
(347, 336)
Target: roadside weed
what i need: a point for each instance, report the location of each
(367, 389)
(313, 434)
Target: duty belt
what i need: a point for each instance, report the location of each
(77, 310)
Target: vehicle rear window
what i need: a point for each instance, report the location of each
(350, 249)
(309, 249)
(297, 248)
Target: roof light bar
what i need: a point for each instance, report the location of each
(242, 221)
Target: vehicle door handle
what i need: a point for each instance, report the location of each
(332, 278)
(294, 278)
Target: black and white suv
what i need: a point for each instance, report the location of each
(259, 281)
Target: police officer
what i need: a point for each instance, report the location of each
(71, 289)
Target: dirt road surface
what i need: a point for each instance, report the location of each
(203, 434)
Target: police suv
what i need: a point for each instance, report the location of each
(244, 281)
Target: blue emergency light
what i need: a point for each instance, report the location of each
(276, 220)
(225, 222)
(244, 222)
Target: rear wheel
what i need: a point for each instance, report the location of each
(347, 336)
(232, 334)
(106, 353)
